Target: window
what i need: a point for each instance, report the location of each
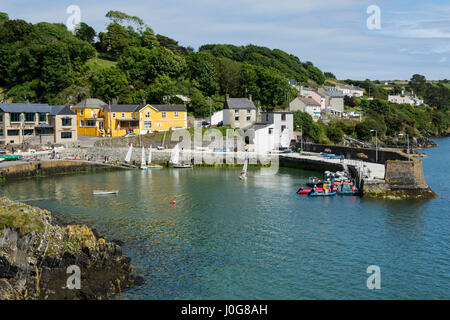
(283, 117)
(66, 135)
(176, 114)
(249, 111)
(1, 118)
(114, 115)
(28, 132)
(81, 112)
(81, 123)
(13, 132)
(42, 117)
(163, 114)
(1, 132)
(147, 124)
(270, 130)
(236, 118)
(123, 115)
(267, 117)
(90, 123)
(40, 131)
(29, 117)
(14, 117)
(66, 121)
(147, 114)
(248, 118)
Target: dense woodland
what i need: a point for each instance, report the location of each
(130, 63)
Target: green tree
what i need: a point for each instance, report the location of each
(115, 41)
(199, 104)
(3, 17)
(108, 83)
(162, 90)
(202, 70)
(85, 32)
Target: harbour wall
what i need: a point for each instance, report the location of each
(352, 152)
(49, 168)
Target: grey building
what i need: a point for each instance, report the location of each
(334, 99)
(239, 112)
(20, 121)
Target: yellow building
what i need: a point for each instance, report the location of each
(90, 117)
(96, 118)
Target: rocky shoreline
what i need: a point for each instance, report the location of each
(40, 256)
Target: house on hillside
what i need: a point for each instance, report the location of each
(406, 97)
(334, 100)
(308, 105)
(351, 91)
(239, 112)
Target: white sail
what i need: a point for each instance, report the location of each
(285, 140)
(175, 155)
(149, 160)
(143, 158)
(244, 169)
(128, 156)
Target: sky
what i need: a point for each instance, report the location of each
(413, 36)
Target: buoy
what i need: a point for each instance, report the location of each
(174, 203)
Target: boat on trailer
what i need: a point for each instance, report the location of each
(101, 192)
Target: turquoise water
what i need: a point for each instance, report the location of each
(258, 239)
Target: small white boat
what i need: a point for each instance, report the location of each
(149, 160)
(143, 166)
(175, 159)
(243, 175)
(105, 191)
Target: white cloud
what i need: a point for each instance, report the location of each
(443, 59)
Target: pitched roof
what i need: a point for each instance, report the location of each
(25, 107)
(61, 111)
(91, 103)
(125, 107)
(239, 103)
(309, 101)
(169, 107)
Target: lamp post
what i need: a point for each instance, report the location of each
(407, 140)
(376, 145)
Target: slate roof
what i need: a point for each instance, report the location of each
(125, 107)
(309, 101)
(169, 107)
(61, 111)
(239, 103)
(25, 107)
(91, 103)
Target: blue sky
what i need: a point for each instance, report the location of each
(414, 35)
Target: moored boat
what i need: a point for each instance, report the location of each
(322, 194)
(100, 192)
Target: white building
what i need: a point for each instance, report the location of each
(266, 135)
(406, 97)
(351, 91)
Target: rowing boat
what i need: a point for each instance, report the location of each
(98, 192)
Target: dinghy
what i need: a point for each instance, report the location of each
(149, 160)
(175, 159)
(322, 194)
(101, 192)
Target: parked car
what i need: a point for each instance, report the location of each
(131, 134)
(205, 124)
(176, 128)
(220, 124)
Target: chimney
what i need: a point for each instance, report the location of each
(114, 101)
(144, 102)
(250, 97)
(227, 96)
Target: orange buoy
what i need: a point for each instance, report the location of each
(174, 203)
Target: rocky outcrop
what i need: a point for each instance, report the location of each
(39, 258)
